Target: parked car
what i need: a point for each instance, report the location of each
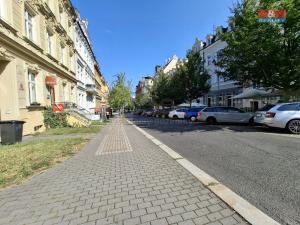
(138, 112)
(192, 113)
(260, 115)
(284, 115)
(148, 112)
(222, 114)
(177, 113)
(162, 113)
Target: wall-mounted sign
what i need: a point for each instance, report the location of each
(50, 81)
(58, 107)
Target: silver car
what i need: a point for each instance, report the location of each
(260, 115)
(222, 114)
(284, 115)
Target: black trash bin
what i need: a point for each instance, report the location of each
(11, 131)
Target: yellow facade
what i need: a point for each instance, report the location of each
(101, 88)
(36, 42)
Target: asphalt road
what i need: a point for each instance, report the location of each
(259, 164)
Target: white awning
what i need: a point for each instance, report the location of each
(254, 93)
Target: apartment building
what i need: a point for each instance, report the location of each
(170, 65)
(85, 71)
(144, 86)
(37, 59)
(223, 91)
(102, 90)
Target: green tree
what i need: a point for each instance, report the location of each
(191, 80)
(143, 101)
(120, 94)
(160, 91)
(263, 53)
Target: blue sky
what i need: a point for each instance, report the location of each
(133, 36)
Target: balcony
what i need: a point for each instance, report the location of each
(91, 88)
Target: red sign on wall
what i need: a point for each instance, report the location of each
(58, 107)
(50, 81)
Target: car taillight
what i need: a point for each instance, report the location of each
(270, 115)
(200, 114)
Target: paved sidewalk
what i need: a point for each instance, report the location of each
(119, 178)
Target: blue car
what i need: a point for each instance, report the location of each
(192, 113)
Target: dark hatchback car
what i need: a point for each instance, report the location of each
(162, 113)
(192, 113)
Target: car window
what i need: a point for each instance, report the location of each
(211, 109)
(266, 108)
(289, 107)
(235, 110)
(221, 109)
(181, 110)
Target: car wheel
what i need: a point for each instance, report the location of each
(157, 116)
(175, 117)
(294, 126)
(163, 116)
(211, 120)
(251, 121)
(193, 118)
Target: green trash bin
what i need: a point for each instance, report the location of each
(11, 131)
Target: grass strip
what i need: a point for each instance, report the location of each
(20, 161)
(70, 130)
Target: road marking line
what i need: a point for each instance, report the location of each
(248, 211)
(284, 135)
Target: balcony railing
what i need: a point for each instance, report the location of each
(91, 88)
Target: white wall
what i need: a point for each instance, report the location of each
(84, 70)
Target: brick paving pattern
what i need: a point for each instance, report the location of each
(143, 186)
(115, 141)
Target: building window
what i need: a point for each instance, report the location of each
(31, 87)
(61, 15)
(62, 54)
(79, 71)
(3, 10)
(209, 60)
(49, 41)
(29, 25)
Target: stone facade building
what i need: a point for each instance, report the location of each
(37, 58)
(102, 90)
(85, 72)
(222, 91)
(144, 86)
(170, 66)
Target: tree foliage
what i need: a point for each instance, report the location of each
(144, 101)
(160, 92)
(189, 82)
(120, 94)
(191, 78)
(263, 53)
